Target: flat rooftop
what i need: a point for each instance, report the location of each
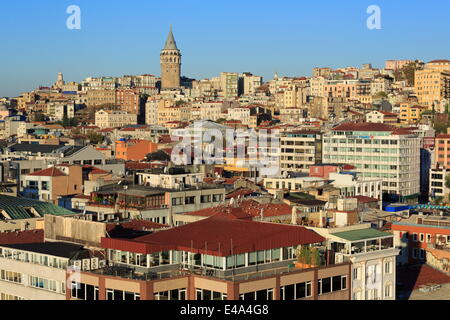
(58, 249)
(362, 234)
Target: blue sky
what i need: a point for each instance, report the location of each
(262, 37)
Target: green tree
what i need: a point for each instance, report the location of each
(441, 127)
(381, 94)
(447, 181)
(94, 137)
(39, 117)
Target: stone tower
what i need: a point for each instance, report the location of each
(60, 82)
(170, 64)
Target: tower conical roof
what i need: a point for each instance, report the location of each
(170, 42)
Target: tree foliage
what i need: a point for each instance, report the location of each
(406, 73)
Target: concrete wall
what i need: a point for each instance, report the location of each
(74, 230)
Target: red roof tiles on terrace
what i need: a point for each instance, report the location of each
(22, 237)
(221, 235)
(50, 172)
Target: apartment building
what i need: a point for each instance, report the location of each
(438, 176)
(114, 119)
(410, 113)
(300, 150)
(172, 113)
(250, 83)
(214, 260)
(100, 97)
(128, 100)
(420, 234)
(396, 64)
(351, 185)
(378, 151)
(211, 110)
(134, 150)
(49, 184)
(432, 85)
(442, 150)
(37, 271)
(170, 178)
(382, 117)
(291, 184)
(373, 259)
(229, 84)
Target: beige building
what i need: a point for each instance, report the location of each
(432, 85)
(35, 271)
(229, 84)
(300, 150)
(101, 97)
(114, 119)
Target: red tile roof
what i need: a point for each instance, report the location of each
(237, 193)
(22, 237)
(415, 276)
(220, 235)
(50, 172)
(250, 208)
(440, 61)
(364, 199)
(391, 114)
(138, 225)
(363, 126)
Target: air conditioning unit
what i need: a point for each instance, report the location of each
(77, 264)
(101, 264)
(94, 263)
(86, 264)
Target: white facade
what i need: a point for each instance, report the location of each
(353, 186)
(32, 276)
(393, 158)
(114, 119)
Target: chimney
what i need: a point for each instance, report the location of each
(294, 215)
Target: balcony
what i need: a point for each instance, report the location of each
(31, 193)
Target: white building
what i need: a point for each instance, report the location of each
(36, 271)
(377, 151)
(373, 258)
(352, 185)
(114, 119)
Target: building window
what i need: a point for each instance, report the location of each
(84, 291)
(356, 273)
(296, 291)
(11, 276)
(415, 253)
(208, 295)
(414, 237)
(119, 295)
(387, 267)
(388, 291)
(177, 294)
(422, 237)
(422, 254)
